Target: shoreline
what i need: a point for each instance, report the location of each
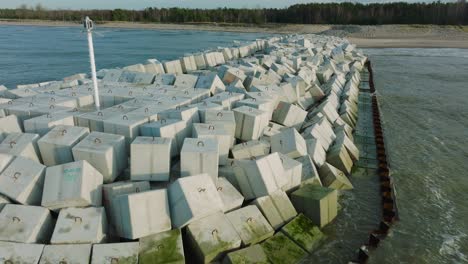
(380, 36)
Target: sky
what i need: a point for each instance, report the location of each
(141, 4)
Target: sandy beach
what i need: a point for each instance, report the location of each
(380, 36)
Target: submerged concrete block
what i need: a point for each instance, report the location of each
(20, 253)
(79, 254)
(21, 144)
(80, 226)
(277, 208)
(192, 198)
(150, 159)
(250, 224)
(280, 249)
(105, 152)
(304, 232)
(25, 224)
(56, 146)
(232, 199)
(75, 184)
(248, 255)
(141, 214)
(334, 178)
(126, 253)
(164, 247)
(320, 204)
(289, 142)
(211, 237)
(199, 156)
(22, 181)
(250, 122)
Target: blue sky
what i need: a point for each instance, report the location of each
(140, 4)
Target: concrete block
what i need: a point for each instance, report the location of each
(21, 144)
(192, 198)
(342, 138)
(115, 253)
(304, 233)
(200, 61)
(289, 142)
(233, 74)
(205, 106)
(22, 181)
(127, 125)
(265, 105)
(277, 208)
(226, 99)
(173, 67)
(75, 184)
(320, 204)
(188, 63)
(218, 132)
(211, 82)
(185, 81)
(150, 159)
(228, 171)
(316, 151)
(338, 157)
(154, 68)
(5, 160)
(25, 224)
(309, 171)
(332, 177)
(20, 253)
(10, 124)
(280, 248)
(224, 118)
(189, 114)
(105, 152)
(211, 237)
(249, 149)
(4, 201)
(250, 224)
(167, 128)
(79, 254)
(80, 226)
(200, 155)
(141, 214)
(250, 255)
(164, 247)
(289, 115)
(292, 172)
(250, 122)
(56, 146)
(232, 199)
(164, 79)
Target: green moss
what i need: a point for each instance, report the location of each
(313, 192)
(303, 231)
(161, 248)
(281, 250)
(211, 250)
(250, 255)
(128, 260)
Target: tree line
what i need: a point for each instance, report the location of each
(453, 13)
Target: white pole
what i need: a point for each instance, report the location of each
(93, 63)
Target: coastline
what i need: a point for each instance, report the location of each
(379, 36)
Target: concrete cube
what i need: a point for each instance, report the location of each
(250, 122)
(25, 224)
(289, 115)
(231, 198)
(292, 172)
(79, 254)
(226, 99)
(334, 178)
(188, 63)
(80, 226)
(224, 118)
(316, 151)
(105, 152)
(115, 253)
(21, 144)
(252, 254)
(43, 124)
(211, 82)
(320, 204)
(279, 248)
(250, 224)
(192, 198)
(20, 253)
(141, 214)
(304, 232)
(277, 208)
(309, 171)
(5, 160)
(75, 184)
(150, 159)
(338, 157)
(217, 132)
(249, 149)
(56, 146)
(289, 142)
(173, 67)
(4, 201)
(167, 128)
(127, 125)
(164, 247)
(10, 124)
(211, 237)
(200, 155)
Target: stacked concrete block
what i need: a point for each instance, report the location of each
(56, 146)
(320, 204)
(228, 171)
(188, 63)
(192, 198)
(75, 184)
(164, 247)
(224, 118)
(189, 114)
(211, 237)
(249, 149)
(343, 139)
(277, 208)
(200, 61)
(332, 177)
(316, 151)
(79, 254)
(226, 99)
(309, 171)
(25, 224)
(173, 67)
(80, 226)
(127, 125)
(265, 105)
(4, 201)
(141, 214)
(217, 132)
(280, 248)
(338, 157)
(260, 177)
(250, 123)
(167, 128)
(231, 198)
(105, 152)
(289, 115)
(22, 181)
(200, 155)
(233, 74)
(205, 106)
(185, 81)
(21, 144)
(115, 253)
(250, 224)
(20, 252)
(251, 254)
(10, 124)
(304, 232)
(292, 172)
(289, 142)
(150, 159)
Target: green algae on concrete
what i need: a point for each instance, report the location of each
(277, 208)
(317, 203)
(250, 255)
(165, 247)
(282, 250)
(250, 224)
(303, 231)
